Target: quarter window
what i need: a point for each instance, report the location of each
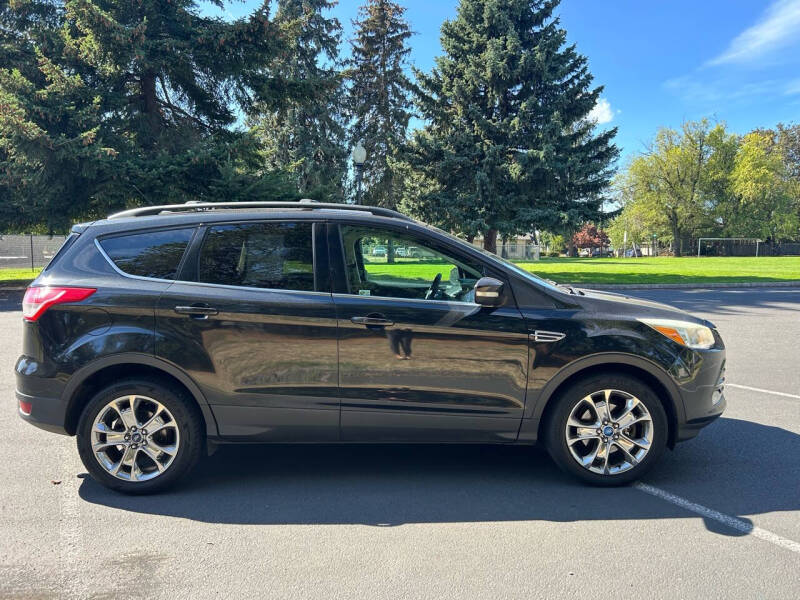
(261, 255)
(152, 254)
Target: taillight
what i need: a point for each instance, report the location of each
(39, 299)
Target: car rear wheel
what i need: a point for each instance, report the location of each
(139, 436)
(607, 429)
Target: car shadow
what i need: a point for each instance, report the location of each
(11, 299)
(390, 485)
(718, 302)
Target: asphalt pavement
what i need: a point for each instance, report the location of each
(718, 518)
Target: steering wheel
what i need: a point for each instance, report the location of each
(434, 289)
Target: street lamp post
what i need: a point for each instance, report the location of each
(359, 156)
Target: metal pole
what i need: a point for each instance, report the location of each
(359, 169)
(698, 246)
(31, 238)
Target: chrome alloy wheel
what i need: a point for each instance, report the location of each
(609, 432)
(135, 438)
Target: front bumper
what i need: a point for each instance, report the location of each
(704, 396)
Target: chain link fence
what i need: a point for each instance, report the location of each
(20, 251)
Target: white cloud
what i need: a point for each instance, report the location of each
(601, 113)
(724, 90)
(792, 88)
(778, 27)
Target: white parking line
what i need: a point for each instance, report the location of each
(728, 520)
(762, 390)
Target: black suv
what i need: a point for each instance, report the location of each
(160, 332)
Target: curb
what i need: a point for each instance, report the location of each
(683, 286)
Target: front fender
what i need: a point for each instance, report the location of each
(538, 400)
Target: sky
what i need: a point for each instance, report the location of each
(660, 63)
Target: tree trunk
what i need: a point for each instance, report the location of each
(150, 109)
(676, 241)
(490, 241)
(390, 251)
(571, 248)
(676, 234)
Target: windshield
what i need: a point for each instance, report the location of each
(504, 262)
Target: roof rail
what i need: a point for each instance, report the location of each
(195, 206)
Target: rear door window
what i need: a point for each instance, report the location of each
(155, 254)
(276, 255)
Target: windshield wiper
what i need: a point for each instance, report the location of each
(569, 288)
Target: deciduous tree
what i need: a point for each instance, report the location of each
(671, 175)
(589, 236)
(764, 203)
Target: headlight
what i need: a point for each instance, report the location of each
(684, 333)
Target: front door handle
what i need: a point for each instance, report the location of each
(198, 311)
(370, 321)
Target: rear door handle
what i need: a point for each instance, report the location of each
(201, 312)
(372, 321)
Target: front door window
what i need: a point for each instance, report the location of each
(382, 263)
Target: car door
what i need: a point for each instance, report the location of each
(252, 321)
(420, 361)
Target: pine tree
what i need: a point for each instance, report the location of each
(48, 121)
(508, 145)
(131, 101)
(307, 136)
(379, 95)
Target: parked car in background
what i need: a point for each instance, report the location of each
(161, 332)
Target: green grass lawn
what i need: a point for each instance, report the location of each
(587, 270)
(668, 270)
(15, 277)
(632, 270)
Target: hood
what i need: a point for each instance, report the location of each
(622, 305)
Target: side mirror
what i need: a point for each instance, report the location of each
(489, 292)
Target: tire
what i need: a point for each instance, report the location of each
(151, 461)
(576, 427)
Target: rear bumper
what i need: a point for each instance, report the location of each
(38, 386)
(46, 413)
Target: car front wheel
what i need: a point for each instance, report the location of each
(607, 429)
